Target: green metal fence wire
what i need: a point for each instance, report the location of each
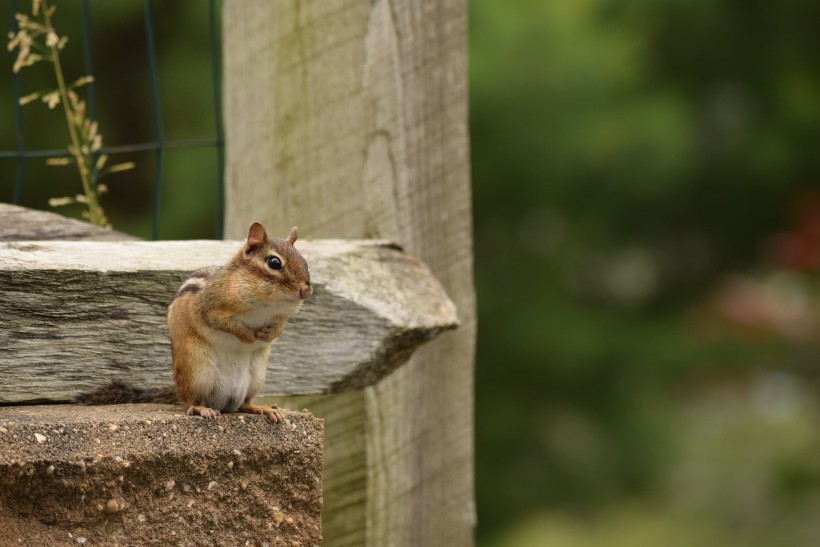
(17, 87)
(216, 79)
(159, 145)
(89, 69)
(158, 126)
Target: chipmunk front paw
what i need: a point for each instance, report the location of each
(266, 333)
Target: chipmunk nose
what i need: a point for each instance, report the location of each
(305, 291)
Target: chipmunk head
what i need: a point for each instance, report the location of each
(277, 261)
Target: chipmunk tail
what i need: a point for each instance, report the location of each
(119, 392)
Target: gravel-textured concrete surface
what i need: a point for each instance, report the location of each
(149, 474)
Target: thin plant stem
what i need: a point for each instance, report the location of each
(38, 33)
(95, 212)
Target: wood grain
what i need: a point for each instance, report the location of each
(20, 223)
(75, 315)
(349, 118)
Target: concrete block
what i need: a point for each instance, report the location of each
(150, 475)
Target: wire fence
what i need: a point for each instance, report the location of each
(159, 145)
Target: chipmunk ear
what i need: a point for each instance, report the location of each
(256, 237)
(294, 233)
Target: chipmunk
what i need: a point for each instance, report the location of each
(222, 322)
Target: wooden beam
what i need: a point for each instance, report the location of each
(20, 223)
(349, 118)
(75, 315)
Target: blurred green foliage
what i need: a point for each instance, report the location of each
(626, 157)
(124, 111)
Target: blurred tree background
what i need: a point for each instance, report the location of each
(646, 248)
(647, 241)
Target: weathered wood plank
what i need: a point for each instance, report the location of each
(20, 223)
(349, 118)
(74, 315)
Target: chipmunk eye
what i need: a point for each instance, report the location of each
(274, 262)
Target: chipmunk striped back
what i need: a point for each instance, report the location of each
(197, 281)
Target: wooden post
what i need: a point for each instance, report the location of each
(349, 118)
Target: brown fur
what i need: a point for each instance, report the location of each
(240, 289)
(215, 300)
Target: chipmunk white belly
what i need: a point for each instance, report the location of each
(234, 366)
(232, 383)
